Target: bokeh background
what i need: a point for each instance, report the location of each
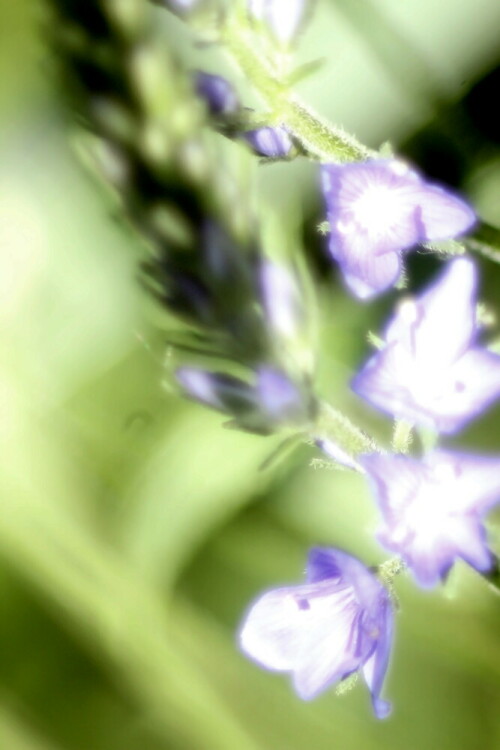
(134, 528)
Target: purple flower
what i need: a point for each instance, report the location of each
(432, 370)
(283, 17)
(339, 621)
(218, 94)
(432, 508)
(376, 210)
(274, 143)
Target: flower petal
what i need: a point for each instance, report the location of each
(439, 325)
(342, 569)
(432, 508)
(395, 480)
(375, 668)
(474, 385)
(469, 537)
(273, 631)
(331, 648)
(305, 629)
(379, 274)
(442, 214)
(387, 381)
(476, 485)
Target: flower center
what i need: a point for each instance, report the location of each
(377, 209)
(429, 510)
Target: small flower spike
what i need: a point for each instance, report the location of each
(283, 17)
(432, 508)
(432, 370)
(378, 209)
(274, 143)
(337, 622)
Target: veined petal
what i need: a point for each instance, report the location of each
(304, 629)
(329, 650)
(370, 199)
(395, 480)
(440, 324)
(375, 274)
(447, 324)
(390, 380)
(476, 478)
(374, 670)
(441, 213)
(341, 568)
(432, 508)
(273, 631)
(430, 372)
(469, 537)
(474, 385)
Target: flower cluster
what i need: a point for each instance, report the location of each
(431, 370)
(239, 308)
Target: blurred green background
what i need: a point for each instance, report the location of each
(134, 529)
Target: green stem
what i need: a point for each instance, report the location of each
(402, 436)
(318, 138)
(332, 425)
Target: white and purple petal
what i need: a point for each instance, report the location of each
(375, 668)
(442, 213)
(431, 371)
(322, 631)
(441, 323)
(432, 508)
(382, 207)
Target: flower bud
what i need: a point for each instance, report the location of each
(217, 93)
(274, 143)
